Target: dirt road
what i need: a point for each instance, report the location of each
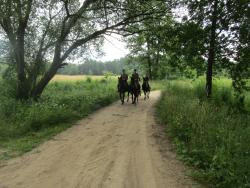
(116, 147)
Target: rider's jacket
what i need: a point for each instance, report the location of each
(135, 77)
(146, 78)
(124, 77)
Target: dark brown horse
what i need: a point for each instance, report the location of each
(122, 88)
(146, 88)
(135, 90)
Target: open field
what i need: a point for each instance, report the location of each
(73, 78)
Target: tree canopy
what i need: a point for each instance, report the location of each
(39, 31)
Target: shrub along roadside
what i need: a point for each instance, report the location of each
(24, 125)
(208, 135)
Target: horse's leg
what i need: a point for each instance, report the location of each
(120, 94)
(145, 94)
(128, 97)
(123, 96)
(137, 95)
(134, 99)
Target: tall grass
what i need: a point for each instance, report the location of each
(208, 134)
(24, 125)
(223, 93)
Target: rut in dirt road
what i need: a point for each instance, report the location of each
(114, 147)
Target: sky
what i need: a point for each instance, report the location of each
(113, 48)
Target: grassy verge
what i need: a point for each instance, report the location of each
(24, 125)
(209, 135)
(157, 84)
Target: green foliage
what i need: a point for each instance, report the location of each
(24, 125)
(207, 134)
(3, 67)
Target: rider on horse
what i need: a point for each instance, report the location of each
(135, 77)
(135, 83)
(145, 86)
(124, 79)
(146, 78)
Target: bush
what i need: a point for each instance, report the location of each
(207, 134)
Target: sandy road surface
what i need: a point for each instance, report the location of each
(116, 147)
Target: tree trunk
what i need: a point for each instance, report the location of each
(56, 64)
(23, 88)
(37, 91)
(211, 53)
(149, 60)
(156, 64)
(149, 68)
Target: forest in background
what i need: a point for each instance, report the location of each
(93, 67)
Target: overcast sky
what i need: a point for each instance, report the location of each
(113, 48)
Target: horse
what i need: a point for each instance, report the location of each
(135, 89)
(146, 88)
(122, 88)
(130, 92)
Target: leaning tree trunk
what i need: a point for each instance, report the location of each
(211, 53)
(56, 64)
(37, 91)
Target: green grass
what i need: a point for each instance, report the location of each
(209, 135)
(25, 125)
(157, 84)
(222, 92)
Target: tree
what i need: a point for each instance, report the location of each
(220, 20)
(206, 14)
(41, 31)
(149, 46)
(240, 70)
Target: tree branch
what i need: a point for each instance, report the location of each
(128, 20)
